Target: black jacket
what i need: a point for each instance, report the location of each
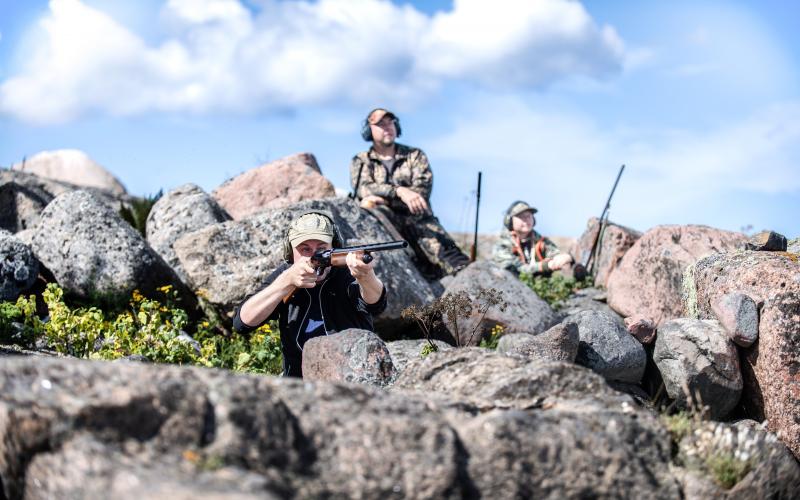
(342, 308)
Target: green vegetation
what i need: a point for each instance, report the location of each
(491, 340)
(136, 214)
(553, 289)
(428, 348)
(726, 469)
(157, 330)
(679, 425)
(723, 466)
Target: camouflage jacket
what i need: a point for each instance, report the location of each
(503, 253)
(411, 170)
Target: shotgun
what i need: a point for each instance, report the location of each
(323, 259)
(588, 264)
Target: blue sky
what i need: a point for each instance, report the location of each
(700, 99)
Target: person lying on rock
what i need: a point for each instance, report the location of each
(520, 249)
(397, 181)
(308, 305)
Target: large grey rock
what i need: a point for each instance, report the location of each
(649, 277)
(770, 470)
(92, 252)
(21, 201)
(509, 341)
(607, 348)
(489, 380)
(738, 315)
(273, 185)
(353, 355)
(231, 260)
(559, 343)
(404, 351)
(73, 167)
(697, 355)
(588, 299)
(181, 211)
(771, 366)
(18, 267)
(525, 311)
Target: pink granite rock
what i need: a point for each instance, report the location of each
(274, 185)
(649, 277)
(771, 367)
(643, 329)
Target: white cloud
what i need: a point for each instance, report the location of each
(219, 56)
(566, 163)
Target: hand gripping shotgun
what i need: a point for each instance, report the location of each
(323, 259)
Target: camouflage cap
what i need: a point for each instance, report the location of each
(519, 207)
(310, 227)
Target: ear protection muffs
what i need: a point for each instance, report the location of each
(507, 217)
(337, 242)
(366, 132)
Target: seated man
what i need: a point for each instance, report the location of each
(338, 299)
(397, 180)
(520, 249)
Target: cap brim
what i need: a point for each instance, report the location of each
(377, 115)
(327, 238)
(529, 209)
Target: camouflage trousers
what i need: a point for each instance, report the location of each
(437, 254)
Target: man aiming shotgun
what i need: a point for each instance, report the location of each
(309, 294)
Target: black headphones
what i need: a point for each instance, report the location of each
(337, 242)
(507, 217)
(366, 132)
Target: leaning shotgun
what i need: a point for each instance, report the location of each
(323, 259)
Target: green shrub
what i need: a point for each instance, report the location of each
(727, 470)
(136, 214)
(491, 340)
(19, 324)
(151, 328)
(679, 425)
(553, 289)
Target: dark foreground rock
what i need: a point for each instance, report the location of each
(462, 423)
(68, 429)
